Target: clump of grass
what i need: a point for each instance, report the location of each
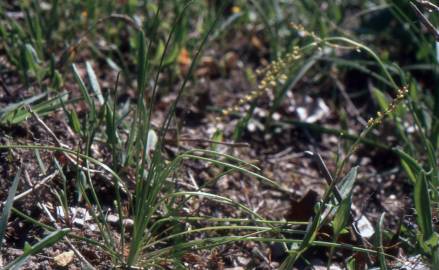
(159, 234)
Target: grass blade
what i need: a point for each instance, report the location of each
(84, 90)
(47, 241)
(423, 210)
(8, 206)
(379, 240)
(94, 83)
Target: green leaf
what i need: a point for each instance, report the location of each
(48, 241)
(341, 218)
(110, 126)
(74, 121)
(217, 137)
(27, 247)
(380, 98)
(433, 241)
(411, 162)
(83, 90)
(432, 162)
(94, 83)
(8, 206)
(21, 114)
(379, 243)
(141, 64)
(423, 210)
(34, 62)
(351, 264)
(347, 183)
(113, 64)
(408, 171)
(7, 113)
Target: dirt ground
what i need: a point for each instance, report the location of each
(278, 149)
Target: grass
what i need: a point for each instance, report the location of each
(74, 61)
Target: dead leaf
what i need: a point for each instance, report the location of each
(304, 209)
(257, 43)
(64, 258)
(184, 60)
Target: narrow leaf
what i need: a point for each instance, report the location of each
(94, 83)
(379, 243)
(423, 210)
(380, 98)
(48, 241)
(341, 218)
(347, 183)
(8, 206)
(83, 89)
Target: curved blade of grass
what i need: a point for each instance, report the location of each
(370, 52)
(118, 180)
(221, 228)
(49, 228)
(198, 244)
(238, 168)
(359, 65)
(17, 114)
(229, 220)
(409, 164)
(218, 198)
(338, 132)
(47, 241)
(214, 153)
(14, 106)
